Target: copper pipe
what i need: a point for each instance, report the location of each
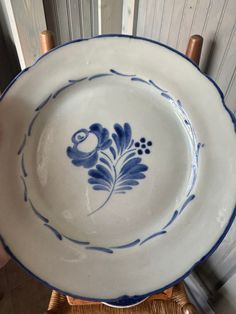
(194, 48)
(46, 41)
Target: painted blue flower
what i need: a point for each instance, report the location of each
(88, 159)
(116, 165)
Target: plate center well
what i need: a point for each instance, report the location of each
(110, 160)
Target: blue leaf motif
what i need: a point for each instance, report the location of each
(100, 188)
(103, 160)
(130, 156)
(128, 134)
(105, 172)
(99, 182)
(137, 169)
(131, 171)
(129, 182)
(135, 176)
(116, 140)
(124, 188)
(112, 150)
(128, 166)
(98, 175)
(120, 136)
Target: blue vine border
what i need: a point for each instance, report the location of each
(195, 147)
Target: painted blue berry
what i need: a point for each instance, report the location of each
(149, 143)
(143, 146)
(140, 152)
(137, 144)
(142, 140)
(147, 151)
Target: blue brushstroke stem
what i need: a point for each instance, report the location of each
(118, 150)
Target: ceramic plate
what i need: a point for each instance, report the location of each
(117, 168)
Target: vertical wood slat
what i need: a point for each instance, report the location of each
(86, 21)
(141, 19)
(209, 32)
(174, 21)
(61, 9)
(111, 16)
(168, 9)
(99, 16)
(149, 17)
(200, 18)
(72, 19)
(94, 18)
(135, 21)
(223, 38)
(158, 20)
(128, 17)
(186, 24)
(52, 22)
(27, 20)
(227, 66)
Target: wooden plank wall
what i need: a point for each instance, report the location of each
(172, 22)
(111, 16)
(72, 19)
(26, 21)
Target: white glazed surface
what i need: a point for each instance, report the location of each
(60, 190)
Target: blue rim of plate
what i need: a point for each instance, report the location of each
(125, 300)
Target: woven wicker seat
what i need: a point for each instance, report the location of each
(177, 303)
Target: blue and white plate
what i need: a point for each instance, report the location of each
(118, 168)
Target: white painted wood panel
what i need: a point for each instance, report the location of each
(200, 16)
(174, 21)
(149, 18)
(141, 20)
(223, 37)
(187, 20)
(94, 18)
(61, 10)
(168, 11)
(227, 67)
(212, 21)
(128, 16)
(27, 20)
(158, 20)
(72, 19)
(111, 16)
(86, 18)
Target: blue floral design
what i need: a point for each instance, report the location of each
(88, 159)
(118, 168)
(114, 158)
